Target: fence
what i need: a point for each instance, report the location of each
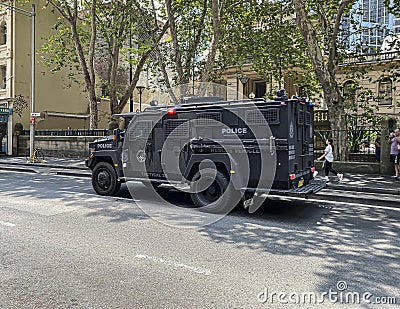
(361, 143)
(71, 132)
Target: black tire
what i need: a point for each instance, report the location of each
(220, 197)
(105, 179)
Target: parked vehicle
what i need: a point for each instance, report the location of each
(223, 150)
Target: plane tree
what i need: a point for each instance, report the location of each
(94, 40)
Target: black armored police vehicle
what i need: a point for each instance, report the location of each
(222, 151)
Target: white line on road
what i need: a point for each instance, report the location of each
(197, 270)
(337, 202)
(6, 223)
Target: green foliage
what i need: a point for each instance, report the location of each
(19, 104)
(113, 124)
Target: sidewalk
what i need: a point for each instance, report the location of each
(66, 163)
(380, 184)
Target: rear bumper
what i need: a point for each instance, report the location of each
(312, 187)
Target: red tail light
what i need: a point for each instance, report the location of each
(171, 111)
(292, 176)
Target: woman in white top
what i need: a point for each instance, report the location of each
(328, 155)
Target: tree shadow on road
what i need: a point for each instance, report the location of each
(356, 244)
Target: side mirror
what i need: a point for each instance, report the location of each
(116, 134)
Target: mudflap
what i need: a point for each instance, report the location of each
(252, 201)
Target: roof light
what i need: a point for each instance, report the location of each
(171, 111)
(292, 176)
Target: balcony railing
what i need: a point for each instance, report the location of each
(371, 58)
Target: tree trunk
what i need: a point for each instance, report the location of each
(217, 11)
(325, 67)
(86, 67)
(338, 123)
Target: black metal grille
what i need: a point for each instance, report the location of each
(208, 119)
(68, 132)
(256, 117)
(300, 118)
(140, 129)
(308, 118)
(177, 128)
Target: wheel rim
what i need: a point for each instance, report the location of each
(212, 193)
(104, 179)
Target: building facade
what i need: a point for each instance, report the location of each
(61, 102)
(373, 23)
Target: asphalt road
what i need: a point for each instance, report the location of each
(62, 246)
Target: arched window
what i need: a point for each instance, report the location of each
(350, 94)
(385, 91)
(3, 33)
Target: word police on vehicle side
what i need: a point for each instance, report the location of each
(222, 150)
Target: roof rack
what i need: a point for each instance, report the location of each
(206, 102)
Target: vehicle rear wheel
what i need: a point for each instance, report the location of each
(219, 196)
(105, 179)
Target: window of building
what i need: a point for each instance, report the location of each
(3, 33)
(3, 77)
(349, 94)
(385, 91)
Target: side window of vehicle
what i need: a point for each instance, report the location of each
(140, 129)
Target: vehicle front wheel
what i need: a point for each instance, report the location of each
(212, 192)
(105, 179)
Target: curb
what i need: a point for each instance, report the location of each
(72, 174)
(368, 200)
(364, 189)
(16, 169)
(46, 165)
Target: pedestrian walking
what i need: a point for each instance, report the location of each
(378, 149)
(394, 141)
(327, 165)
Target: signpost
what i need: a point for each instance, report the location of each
(4, 111)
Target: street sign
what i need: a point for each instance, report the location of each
(4, 111)
(35, 114)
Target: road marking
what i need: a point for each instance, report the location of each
(6, 223)
(318, 201)
(197, 270)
